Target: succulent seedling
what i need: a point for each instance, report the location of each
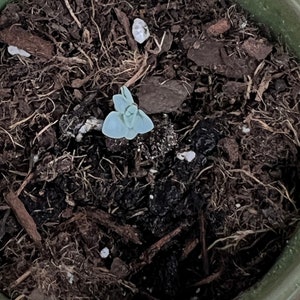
(127, 121)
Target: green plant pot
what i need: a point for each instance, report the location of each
(282, 282)
(3, 3)
(281, 16)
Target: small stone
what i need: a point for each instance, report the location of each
(187, 155)
(12, 50)
(104, 253)
(91, 123)
(140, 30)
(245, 129)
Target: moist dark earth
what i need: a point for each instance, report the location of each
(213, 82)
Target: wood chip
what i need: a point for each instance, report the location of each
(207, 53)
(127, 232)
(213, 55)
(123, 19)
(119, 268)
(218, 28)
(259, 49)
(23, 39)
(157, 95)
(147, 256)
(23, 217)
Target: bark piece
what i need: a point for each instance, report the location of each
(156, 95)
(123, 19)
(17, 36)
(213, 55)
(259, 49)
(206, 54)
(218, 28)
(125, 231)
(23, 217)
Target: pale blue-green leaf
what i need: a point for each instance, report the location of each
(114, 126)
(142, 122)
(130, 115)
(120, 103)
(126, 94)
(131, 134)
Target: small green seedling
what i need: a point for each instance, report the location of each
(128, 120)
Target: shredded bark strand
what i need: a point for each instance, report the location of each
(23, 217)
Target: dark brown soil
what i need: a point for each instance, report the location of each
(205, 229)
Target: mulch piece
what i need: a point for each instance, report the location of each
(85, 216)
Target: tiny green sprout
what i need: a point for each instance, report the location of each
(127, 121)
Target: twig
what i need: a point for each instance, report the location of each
(99, 33)
(153, 249)
(3, 222)
(71, 60)
(23, 217)
(159, 45)
(72, 14)
(208, 279)
(87, 57)
(147, 256)
(15, 125)
(140, 73)
(43, 130)
(284, 194)
(188, 248)
(127, 232)
(24, 183)
(21, 279)
(203, 243)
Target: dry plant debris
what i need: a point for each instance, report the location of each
(218, 88)
(27, 41)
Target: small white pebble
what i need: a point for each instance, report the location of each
(151, 197)
(13, 50)
(104, 253)
(79, 137)
(91, 123)
(245, 129)
(187, 155)
(70, 277)
(140, 30)
(35, 158)
(180, 156)
(243, 25)
(238, 205)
